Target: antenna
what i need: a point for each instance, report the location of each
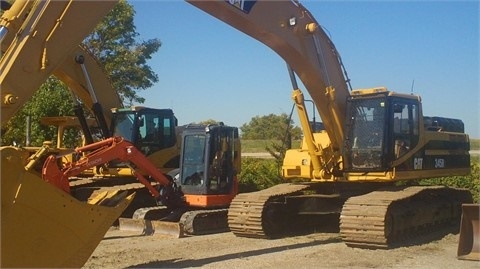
(411, 89)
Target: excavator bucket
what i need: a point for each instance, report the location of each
(469, 242)
(42, 226)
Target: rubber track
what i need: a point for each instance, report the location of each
(245, 215)
(194, 222)
(199, 222)
(141, 213)
(383, 219)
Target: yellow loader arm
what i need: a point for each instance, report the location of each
(70, 73)
(50, 33)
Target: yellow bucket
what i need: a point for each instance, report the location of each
(43, 226)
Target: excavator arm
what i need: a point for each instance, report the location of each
(114, 148)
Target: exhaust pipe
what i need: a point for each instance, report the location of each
(469, 241)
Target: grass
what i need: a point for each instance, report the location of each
(255, 146)
(475, 144)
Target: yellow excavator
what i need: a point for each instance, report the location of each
(373, 138)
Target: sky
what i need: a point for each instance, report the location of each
(209, 70)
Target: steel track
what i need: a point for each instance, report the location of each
(388, 218)
(248, 215)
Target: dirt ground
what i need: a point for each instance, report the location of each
(122, 249)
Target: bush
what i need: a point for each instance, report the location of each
(470, 182)
(475, 144)
(258, 174)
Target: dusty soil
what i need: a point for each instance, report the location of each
(122, 249)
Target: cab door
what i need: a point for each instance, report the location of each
(404, 130)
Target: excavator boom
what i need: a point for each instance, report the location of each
(292, 32)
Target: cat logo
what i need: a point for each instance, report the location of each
(243, 5)
(418, 163)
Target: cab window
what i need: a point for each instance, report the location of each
(405, 127)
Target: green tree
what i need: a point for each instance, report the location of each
(278, 128)
(270, 127)
(125, 60)
(50, 100)
(209, 121)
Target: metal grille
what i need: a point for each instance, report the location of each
(368, 127)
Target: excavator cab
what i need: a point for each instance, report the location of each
(383, 133)
(210, 161)
(369, 143)
(152, 131)
(148, 129)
